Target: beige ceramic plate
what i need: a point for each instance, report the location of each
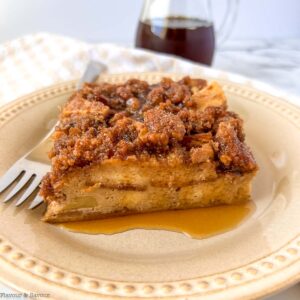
(255, 259)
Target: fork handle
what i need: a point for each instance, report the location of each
(91, 73)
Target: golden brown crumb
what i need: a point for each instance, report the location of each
(188, 119)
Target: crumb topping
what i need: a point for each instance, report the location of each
(186, 120)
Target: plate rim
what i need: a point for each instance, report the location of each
(9, 253)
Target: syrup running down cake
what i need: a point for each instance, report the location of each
(134, 148)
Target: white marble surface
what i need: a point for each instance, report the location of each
(276, 62)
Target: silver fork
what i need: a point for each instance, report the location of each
(33, 165)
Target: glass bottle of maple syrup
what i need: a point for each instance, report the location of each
(183, 28)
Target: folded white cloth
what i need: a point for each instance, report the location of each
(39, 60)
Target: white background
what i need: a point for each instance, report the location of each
(115, 20)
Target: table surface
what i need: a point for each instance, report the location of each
(274, 62)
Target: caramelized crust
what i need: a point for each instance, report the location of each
(174, 123)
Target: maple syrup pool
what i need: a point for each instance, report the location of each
(198, 222)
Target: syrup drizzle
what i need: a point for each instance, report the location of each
(198, 222)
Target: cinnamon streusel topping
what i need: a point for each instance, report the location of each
(188, 119)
